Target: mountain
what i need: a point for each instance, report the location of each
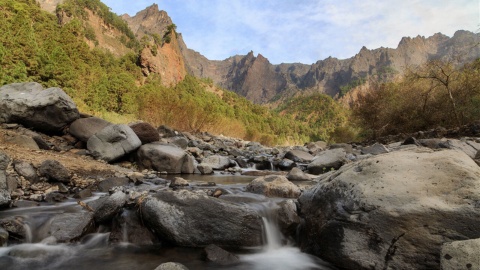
(260, 81)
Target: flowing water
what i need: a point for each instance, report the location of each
(39, 251)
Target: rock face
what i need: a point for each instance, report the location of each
(274, 186)
(164, 157)
(191, 219)
(113, 142)
(392, 211)
(47, 110)
(84, 128)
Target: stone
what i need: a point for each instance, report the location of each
(297, 175)
(23, 141)
(288, 219)
(217, 162)
(46, 110)
(108, 183)
(375, 149)
(145, 132)
(3, 237)
(26, 170)
(285, 164)
(84, 128)
(274, 186)
(164, 157)
(110, 207)
(327, 160)
(299, 156)
(179, 141)
(54, 171)
(166, 132)
(461, 255)
(186, 218)
(68, 227)
(204, 168)
(171, 266)
(392, 211)
(218, 255)
(4, 160)
(113, 142)
(178, 182)
(4, 198)
(128, 228)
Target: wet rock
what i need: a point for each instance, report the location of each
(53, 197)
(217, 162)
(299, 156)
(113, 142)
(145, 132)
(4, 161)
(84, 128)
(110, 207)
(164, 157)
(26, 170)
(218, 255)
(127, 227)
(171, 266)
(327, 160)
(288, 219)
(297, 175)
(274, 186)
(109, 183)
(82, 194)
(54, 171)
(47, 110)
(193, 219)
(461, 255)
(15, 226)
(285, 164)
(375, 149)
(3, 237)
(178, 182)
(376, 209)
(23, 141)
(4, 198)
(67, 227)
(204, 168)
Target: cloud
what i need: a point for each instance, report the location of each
(308, 30)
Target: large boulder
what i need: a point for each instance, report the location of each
(113, 142)
(108, 208)
(165, 157)
(47, 110)
(145, 132)
(299, 156)
(217, 162)
(67, 227)
(84, 128)
(192, 219)
(274, 186)
(392, 211)
(325, 161)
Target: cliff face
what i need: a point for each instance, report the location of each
(262, 82)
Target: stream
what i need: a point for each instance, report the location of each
(39, 251)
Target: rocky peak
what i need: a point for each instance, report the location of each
(150, 20)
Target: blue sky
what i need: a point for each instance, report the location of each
(305, 31)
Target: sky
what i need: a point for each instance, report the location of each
(305, 31)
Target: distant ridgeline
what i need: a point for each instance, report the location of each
(127, 68)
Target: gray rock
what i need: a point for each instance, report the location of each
(3, 180)
(461, 255)
(110, 207)
(4, 198)
(47, 110)
(220, 256)
(375, 149)
(26, 170)
(179, 141)
(392, 211)
(285, 164)
(23, 141)
(164, 157)
(460, 145)
(297, 175)
(166, 132)
(84, 128)
(4, 160)
(67, 227)
(54, 171)
(288, 219)
(3, 237)
(128, 228)
(113, 142)
(274, 186)
(327, 160)
(107, 184)
(299, 156)
(179, 182)
(217, 162)
(204, 168)
(193, 219)
(171, 266)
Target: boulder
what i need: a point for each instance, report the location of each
(375, 149)
(461, 255)
(218, 255)
(26, 170)
(204, 168)
(23, 141)
(185, 218)
(84, 128)
(217, 162)
(67, 227)
(164, 157)
(274, 186)
(47, 110)
(327, 160)
(178, 182)
(128, 228)
(113, 142)
(171, 266)
(299, 156)
(297, 175)
(392, 211)
(179, 141)
(145, 132)
(54, 171)
(3, 237)
(110, 207)
(285, 164)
